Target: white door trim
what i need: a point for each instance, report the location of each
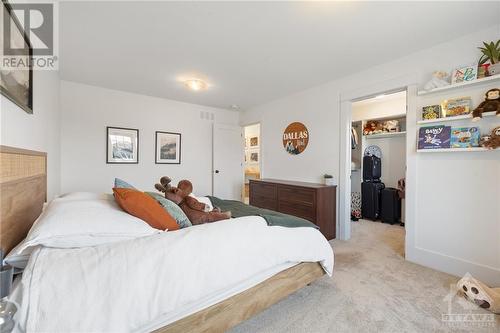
(346, 98)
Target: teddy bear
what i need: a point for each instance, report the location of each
(439, 79)
(197, 212)
(373, 127)
(491, 141)
(491, 103)
(482, 295)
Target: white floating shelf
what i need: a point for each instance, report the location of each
(385, 135)
(446, 119)
(459, 85)
(454, 150)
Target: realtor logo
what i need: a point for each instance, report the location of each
(29, 36)
(36, 20)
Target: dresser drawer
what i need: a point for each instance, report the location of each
(263, 202)
(296, 195)
(304, 211)
(263, 190)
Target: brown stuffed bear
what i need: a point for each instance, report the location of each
(197, 212)
(490, 104)
(492, 141)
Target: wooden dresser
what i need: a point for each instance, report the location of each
(314, 202)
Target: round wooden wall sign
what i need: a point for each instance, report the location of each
(295, 138)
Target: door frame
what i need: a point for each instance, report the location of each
(260, 153)
(405, 82)
(215, 126)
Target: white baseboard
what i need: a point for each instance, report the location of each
(455, 266)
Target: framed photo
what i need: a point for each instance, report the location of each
(17, 84)
(168, 148)
(254, 142)
(254, 157)
(122, 145)
(464, 74)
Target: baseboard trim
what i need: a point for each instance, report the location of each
(454, 266)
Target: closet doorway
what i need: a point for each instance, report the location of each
(252, 167)
(378, 164)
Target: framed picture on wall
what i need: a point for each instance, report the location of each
(122, 145)
(16, 83)
(254, 157)
(168, 148)
(254, 142)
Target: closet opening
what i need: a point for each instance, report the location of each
(378, 165)
(252, 169)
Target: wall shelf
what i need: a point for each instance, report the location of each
(446, 119)
(455, 150)
(384, 135)
(459, 85)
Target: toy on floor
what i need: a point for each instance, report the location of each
(197, 212)
(480, 294)
(491, 103)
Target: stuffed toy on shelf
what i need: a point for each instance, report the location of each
(197, 212)
(491, 103)
(480, 294)
(491, 141)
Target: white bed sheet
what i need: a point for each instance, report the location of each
(104, 288)
(182, 312)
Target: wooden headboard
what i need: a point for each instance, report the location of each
(23, 191)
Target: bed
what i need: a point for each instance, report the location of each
(252, 279)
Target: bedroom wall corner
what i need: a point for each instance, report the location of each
(38, 131)
(86, 110)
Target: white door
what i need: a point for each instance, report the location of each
(228, 162)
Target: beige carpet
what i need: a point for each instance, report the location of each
(373, 289)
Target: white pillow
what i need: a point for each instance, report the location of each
(205, 200)
(86, 196)
(72, 223)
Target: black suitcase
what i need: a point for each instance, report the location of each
(372, 168)
(370, 199)
(390, 211)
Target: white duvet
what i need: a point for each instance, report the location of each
(136, 284)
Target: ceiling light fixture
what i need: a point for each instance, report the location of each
(235, 106)
(196, 84)
(380, 96)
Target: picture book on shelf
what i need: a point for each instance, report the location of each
(465, 137)
(457, 106)
(431, 112)
(434, 137)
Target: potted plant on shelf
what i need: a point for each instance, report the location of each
(491, 53)
(328, 179)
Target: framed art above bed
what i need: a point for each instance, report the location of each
(122, 145)
(167, 148)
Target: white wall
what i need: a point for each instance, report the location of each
(391, 105)
(457, 226)
(87, 110)
(38, 131)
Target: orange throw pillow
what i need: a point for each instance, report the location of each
(144, 207)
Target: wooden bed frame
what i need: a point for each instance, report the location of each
(23, 191)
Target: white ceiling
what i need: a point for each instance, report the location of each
(249, 53)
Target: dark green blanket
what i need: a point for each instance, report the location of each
(239, 209)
